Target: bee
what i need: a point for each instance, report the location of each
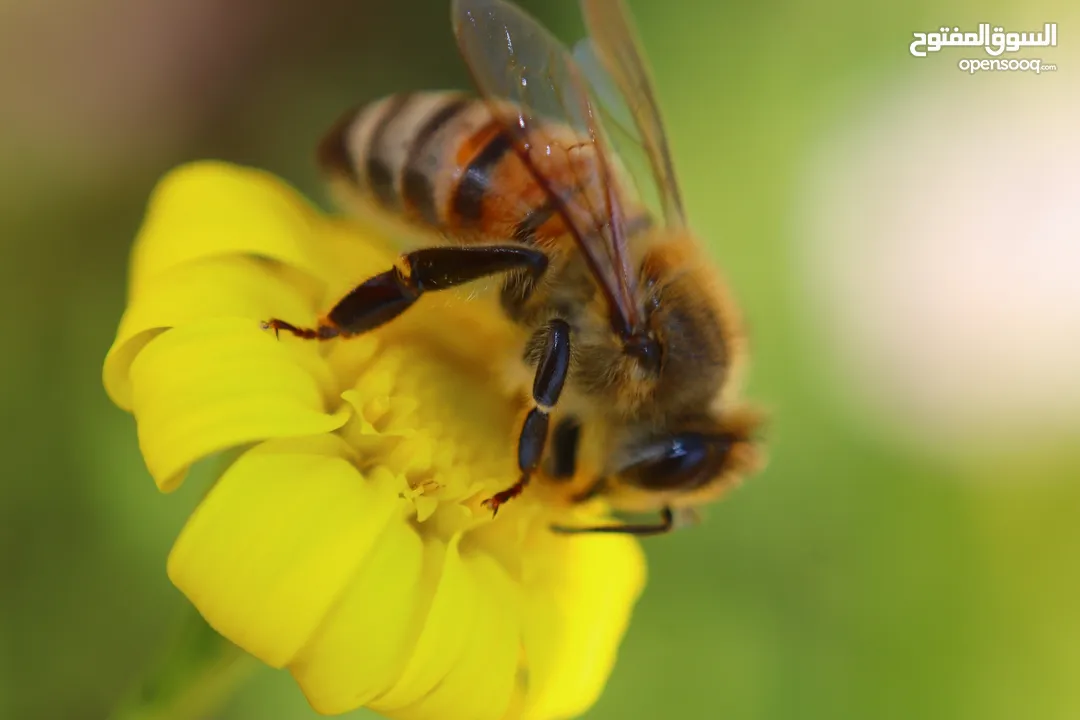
(630, 338)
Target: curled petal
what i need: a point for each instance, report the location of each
(465, 661)
(482, 681)
(443, 638)
(217, 384)
(235, 287)
(277, 541)
(369, 635)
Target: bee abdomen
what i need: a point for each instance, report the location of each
(428, 156)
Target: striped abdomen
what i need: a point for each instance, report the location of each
(442, 160)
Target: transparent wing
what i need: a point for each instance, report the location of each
(605, 89)
(542, 100)
(619, 122)
(616, 45)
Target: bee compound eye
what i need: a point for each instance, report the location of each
(685, 461)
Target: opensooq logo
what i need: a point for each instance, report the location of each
(995, 41)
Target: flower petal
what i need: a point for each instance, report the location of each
(445, 631)
(213, 209)
(367, 638)
(480, 684)
(579, 592)
(216, 384)
(275, 543)
(468, 648)
(223, 287)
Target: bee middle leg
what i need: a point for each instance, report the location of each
(548, 382)
(383, 297)
(565, 439)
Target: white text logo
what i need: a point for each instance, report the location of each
(994, 40)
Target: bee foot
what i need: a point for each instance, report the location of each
(492, 504)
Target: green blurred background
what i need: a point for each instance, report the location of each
(904, 239)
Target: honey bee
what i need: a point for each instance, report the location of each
(630, 338)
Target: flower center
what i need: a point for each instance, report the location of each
(432, 410)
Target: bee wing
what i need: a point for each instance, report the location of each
(531, 84)
(620, 124)
(614, 42)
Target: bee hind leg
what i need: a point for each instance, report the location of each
(383, 297)
(551, 374)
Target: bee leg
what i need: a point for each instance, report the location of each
(383, 297)
(666, 525)
(547, 386)
(564, 448)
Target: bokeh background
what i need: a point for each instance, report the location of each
(904, 238)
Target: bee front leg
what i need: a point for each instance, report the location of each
(548, 383)
(386, 295)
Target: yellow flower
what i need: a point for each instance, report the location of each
(347, 543)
